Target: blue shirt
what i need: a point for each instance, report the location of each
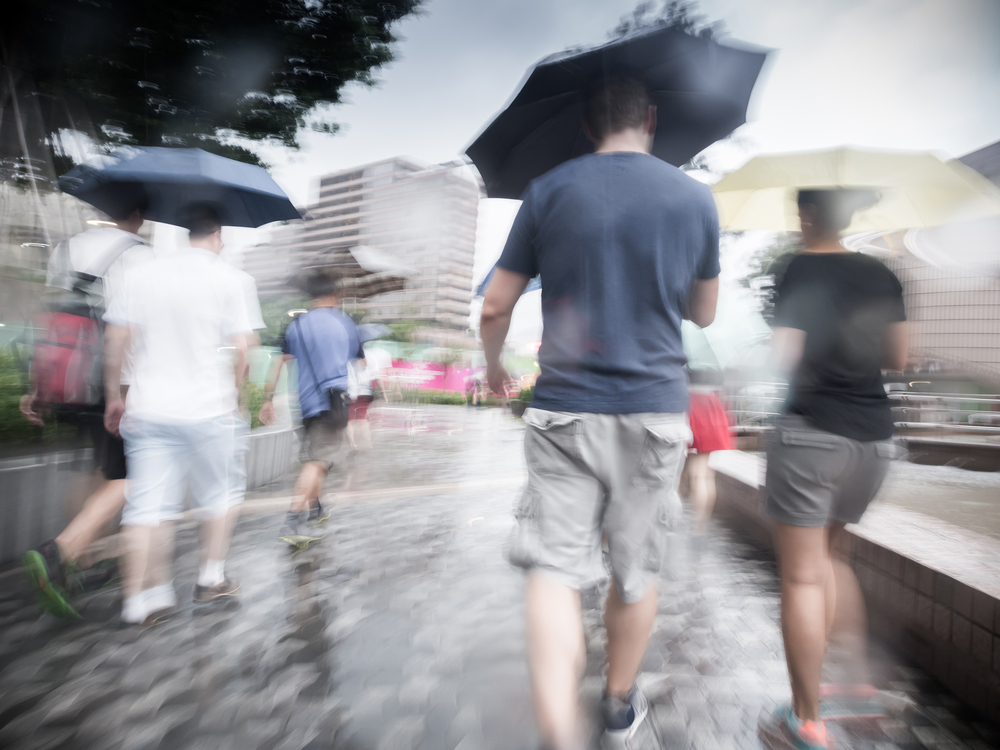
(618, 239)
(325, 339)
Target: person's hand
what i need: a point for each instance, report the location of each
(113, 416)
(266, 413)
(499, 379)
(27, 407)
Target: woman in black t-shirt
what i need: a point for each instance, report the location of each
(838, 321)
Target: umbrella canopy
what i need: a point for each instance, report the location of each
(701, 90)
(916, 189)
(365, 272)
(244, 195)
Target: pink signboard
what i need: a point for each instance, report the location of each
(435, 376)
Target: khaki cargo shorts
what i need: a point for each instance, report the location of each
(590, 474)
(815, 476)
(323, 442)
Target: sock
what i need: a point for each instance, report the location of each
(160, 597)
(212, 573)
(134, 608)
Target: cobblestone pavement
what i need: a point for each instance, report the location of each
(403, 629)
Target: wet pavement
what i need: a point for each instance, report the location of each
(403, 629)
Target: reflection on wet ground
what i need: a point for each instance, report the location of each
(403, 629)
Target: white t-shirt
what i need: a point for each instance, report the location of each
(254, 316)
(81, 252)
(183, 310)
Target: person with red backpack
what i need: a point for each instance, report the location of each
(84, 273)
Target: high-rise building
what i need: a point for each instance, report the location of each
(425, 216)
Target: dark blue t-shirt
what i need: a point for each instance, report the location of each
(325, 339)
(618, 239)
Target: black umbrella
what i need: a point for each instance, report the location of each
(700, 88)
(364, 272)
(244, 195)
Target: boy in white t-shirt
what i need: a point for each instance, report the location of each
(185, 314)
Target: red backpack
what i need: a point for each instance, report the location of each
(66, 362)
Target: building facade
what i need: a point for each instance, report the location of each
(424, 216)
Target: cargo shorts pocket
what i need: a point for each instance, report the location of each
(524, 545)
(551, 440)
(663, 450)
(654, 550)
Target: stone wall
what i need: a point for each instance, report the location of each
(932, 589)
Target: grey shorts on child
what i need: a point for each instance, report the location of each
(815, 476)
(594, 474)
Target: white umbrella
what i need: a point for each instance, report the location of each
(916, 189)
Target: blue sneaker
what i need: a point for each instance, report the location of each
(622, 719)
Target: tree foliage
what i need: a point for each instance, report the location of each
(674, 14)
(193, 72)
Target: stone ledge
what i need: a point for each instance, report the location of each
(932, 589)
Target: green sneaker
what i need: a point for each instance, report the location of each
(319, 515)
(42, 566)
(298, 533)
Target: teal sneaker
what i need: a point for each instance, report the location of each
(783, 730)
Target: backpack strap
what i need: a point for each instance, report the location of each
(101, 266)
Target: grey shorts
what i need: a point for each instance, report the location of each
(323, 442)
(815, 477)
(594, 473)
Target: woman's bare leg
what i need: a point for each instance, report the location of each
(804, 556)
(701, 479)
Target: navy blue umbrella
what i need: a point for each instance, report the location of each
(244, 195)
(700, 88)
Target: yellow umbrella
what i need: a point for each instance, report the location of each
(916, 189)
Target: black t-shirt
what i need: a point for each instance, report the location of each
(843, 301)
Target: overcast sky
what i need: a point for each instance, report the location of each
(908, 74)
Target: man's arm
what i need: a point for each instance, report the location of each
(115, 340)
(503, 292)
(266, 414)
(702, 301)
(895, 347)
(788, 344)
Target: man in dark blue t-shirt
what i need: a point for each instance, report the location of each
(323, 342)
(627, 246)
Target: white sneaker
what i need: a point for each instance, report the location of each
(621, 739)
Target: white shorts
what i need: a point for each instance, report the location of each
(238, 465)
(166, 459)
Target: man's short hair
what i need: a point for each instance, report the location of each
(125, 198)
(835, 207)
(323, 282)
(614, 104)
(200, 219)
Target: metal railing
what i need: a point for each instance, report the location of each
(754, 406)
